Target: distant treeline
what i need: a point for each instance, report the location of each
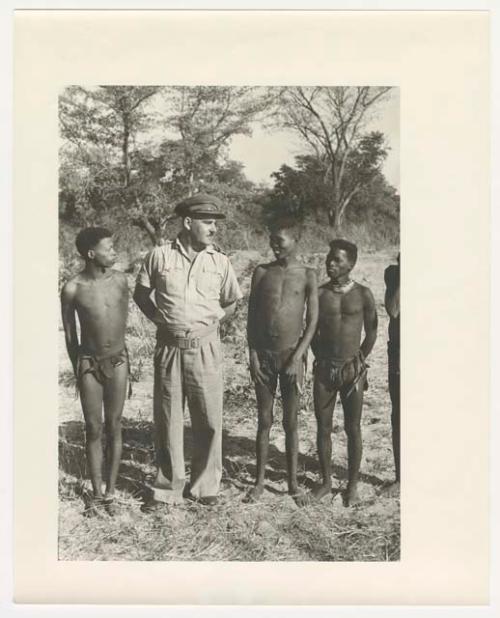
(129, 153)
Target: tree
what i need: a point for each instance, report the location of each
(201, 120)
(300, 192)
(331, 121)
(98, 127)
(206, 118)
(377, 205)
(105, 167)
(126, 106)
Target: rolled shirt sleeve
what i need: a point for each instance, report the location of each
(230, 289)
(150, 266)
(188, 293)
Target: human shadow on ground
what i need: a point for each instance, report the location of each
(135, 455)
(137, 466)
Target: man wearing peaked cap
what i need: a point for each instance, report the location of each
(199, 206)
(195, 288)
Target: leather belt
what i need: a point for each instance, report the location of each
(185, 340)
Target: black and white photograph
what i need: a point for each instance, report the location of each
(211, 209)
(229, 333)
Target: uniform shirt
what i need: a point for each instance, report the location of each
(189, 294)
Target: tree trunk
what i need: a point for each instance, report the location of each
(125, 154)
(336, 223)
(191, 184)
(335, 214)
(152, 231)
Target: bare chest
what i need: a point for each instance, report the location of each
(98, 296)
(281, 285)
(341, 306)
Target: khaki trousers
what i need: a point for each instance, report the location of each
(192, 375)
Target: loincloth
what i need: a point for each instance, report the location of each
(342, 375)
(102, 367)
(272, 364)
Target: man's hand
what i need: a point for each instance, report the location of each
(292, 367)
(228, 311)
(358, 365)
(256, 373)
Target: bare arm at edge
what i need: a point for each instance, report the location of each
(370, 322)
(68, 311)
(311, 314)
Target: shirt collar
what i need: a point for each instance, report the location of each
(178, 245)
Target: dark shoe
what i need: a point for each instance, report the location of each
(153, 506)
(208, 500)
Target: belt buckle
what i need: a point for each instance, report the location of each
(188, 343)
(182, 342)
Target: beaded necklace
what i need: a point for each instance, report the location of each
(342, 288)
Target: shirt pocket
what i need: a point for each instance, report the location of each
(208, 283)
(171, 280)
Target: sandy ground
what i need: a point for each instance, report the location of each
(275, 529)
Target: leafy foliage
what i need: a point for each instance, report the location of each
(304, 191)
(331, 121)
(106, 168)
(129, 153)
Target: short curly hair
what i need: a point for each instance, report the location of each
(286, 223)
(347, 246)
(89, 237)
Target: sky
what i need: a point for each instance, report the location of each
(264, 152)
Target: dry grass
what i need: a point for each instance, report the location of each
(275, 529)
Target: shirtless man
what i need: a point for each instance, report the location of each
(278, 342)
(99, 296)
(345, 307)
(391, 277)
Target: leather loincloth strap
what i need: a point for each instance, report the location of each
(271, 362)
(337, 368)
(102, 367)
(361, 369)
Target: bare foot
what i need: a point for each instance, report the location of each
(320, 492)
(313, 497)
(110, 506)
(351, 496)
(300, 497)
(303, 499)
(391, 490)
(254, 494)
(93, 508)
